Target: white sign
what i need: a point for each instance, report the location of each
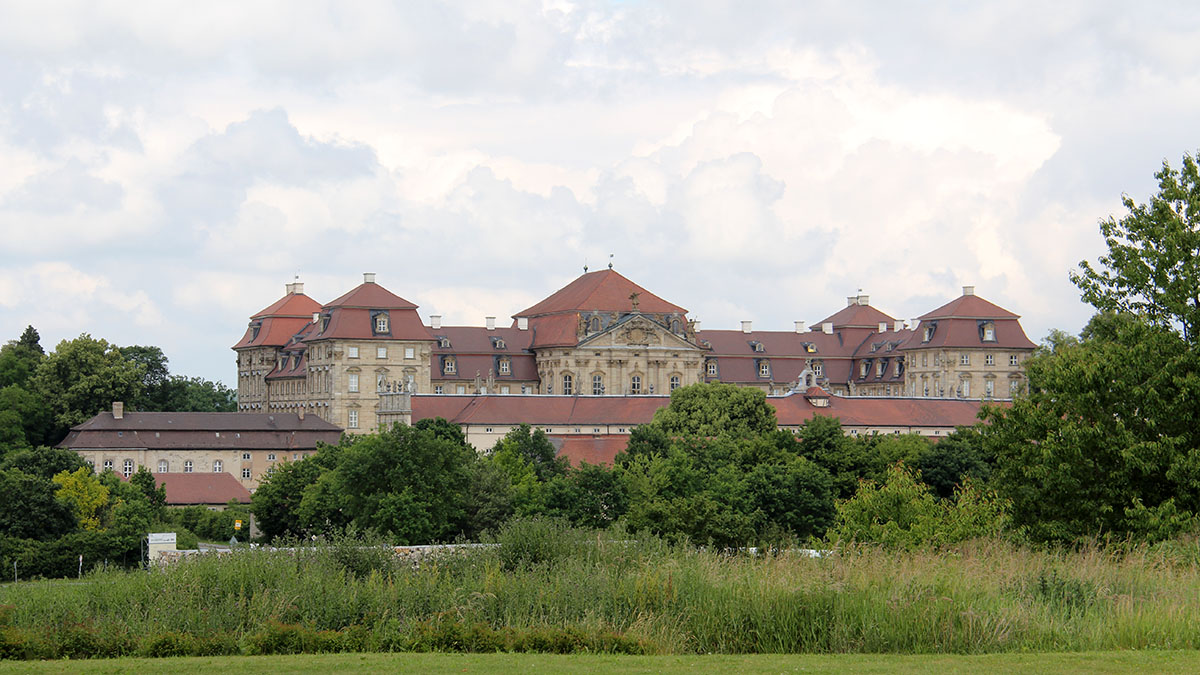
(162, 538)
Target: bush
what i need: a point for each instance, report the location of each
(528, 542)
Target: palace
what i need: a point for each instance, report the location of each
(603, 336)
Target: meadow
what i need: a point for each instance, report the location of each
(550, 588)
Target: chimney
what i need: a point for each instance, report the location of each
(435, 321)
(899, 325)
(491, 322)
(746, 326)
(827, 328)
(288, 289)
(368, 277)
(864, 300)
(851, 300)
(522, 323)
(800, 327)
(118, 410)
(298, 288)
(968, 290)
(882, 326)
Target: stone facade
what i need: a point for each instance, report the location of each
(603, 335)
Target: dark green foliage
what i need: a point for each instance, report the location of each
(1152, 268)
(848, 461)
(163, 392)
(945, 464)
(43, 462)
(59, 557)
(208, 524)
(715, 409)
(156, 495)
(533, 446)
(1108, 438)
(19, 358)
(29, 508)
(24, 419)
(81, 378)
(490, 499)
(276, 502)
(589, 496)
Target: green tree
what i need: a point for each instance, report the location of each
(152, 363)
(196, 394)
(44, 462)
(83, 377)
(30, 508)
(24, 418)
(711, 409)
(276, 502)
(86, 495)
(1108, 437)
(1153, 264)
(945, 465)
(533, 446)
(490, 498)
(19, 358)
(847, 460)
(156, 495)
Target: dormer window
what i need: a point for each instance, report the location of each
(927, 334)
(505, 366)
(594, 324)
(818, 368)
(862, 368)
(711, 368)
(676, 326)
(879, 368)
(764, 369)
(449, 366)
(380, 322)
(757, 346)
(498, 343)
(810, 348)
(987, 331)
(443, 342)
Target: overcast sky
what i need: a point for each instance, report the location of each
(165, 168)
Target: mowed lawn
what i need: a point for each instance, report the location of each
(524, 664)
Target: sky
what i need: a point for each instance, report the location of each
(165, 168)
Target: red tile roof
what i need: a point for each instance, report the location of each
(371, 295)
(606, 291)
(957, 332)
(777, 343)
(523, 367)
(279, 322)
(856, 411)
(558, 330)
(539, 410)
(355, 323)
(475, 339)
(295, 305)
(208, 431)
(598, 450)
(186, 489)
(970, 307)
(857, 316)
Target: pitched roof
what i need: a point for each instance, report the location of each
(605, 290)
(476, 339)
(857, 316)
(185, 489)
(599, 450)
(295, 305)
(370, 295)
(539, 410)
(970, 307)
(197, 430)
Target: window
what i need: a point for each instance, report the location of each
(764, 369)
(295, 456)
(675, 325)
(218, 466)
(989, 360)
(818, 369)
(879, 369)
(925, 390)
(444, 342)
(352, 352)
(381, 322)
(757, 346)
(568, 385)
(439, 389)
(127, 468)
(989, 388)
(674, 382)
(597, 385)
(635, 384)
(381, 352)
(352, 422)
(924, 359)
(862, 369)
(988, 332)
(594, 324)
(353, 382)
(245, 455)
(410, 353)
(498, 343)
(271, 457)
(505, 366)
(187, 466)
(712, 368)
(460, 389)
(965, 387)
(245, 474)
(163, 467)
(964, 359)
(504, 389)
(1012, 360)
(927, 334)
(449, 366)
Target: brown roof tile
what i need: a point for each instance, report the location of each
(605, 291)
(185, 489)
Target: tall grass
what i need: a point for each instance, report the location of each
(547, 587)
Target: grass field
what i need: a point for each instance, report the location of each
(522, 664)
(552, 590)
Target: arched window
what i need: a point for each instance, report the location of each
(381, 323)
(187, 466)
(674, 382)
(127, 468)
(635, 384)
(163, 467)
(449, 366)
(568, 385)
(218, 466)
(675, 325)
(594, 324)
(597, 385)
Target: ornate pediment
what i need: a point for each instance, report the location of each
(638, 332)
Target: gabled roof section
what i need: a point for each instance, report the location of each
(293, 305)
(606, 291)
(857, 316)
(370, 295)
(970, 306)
